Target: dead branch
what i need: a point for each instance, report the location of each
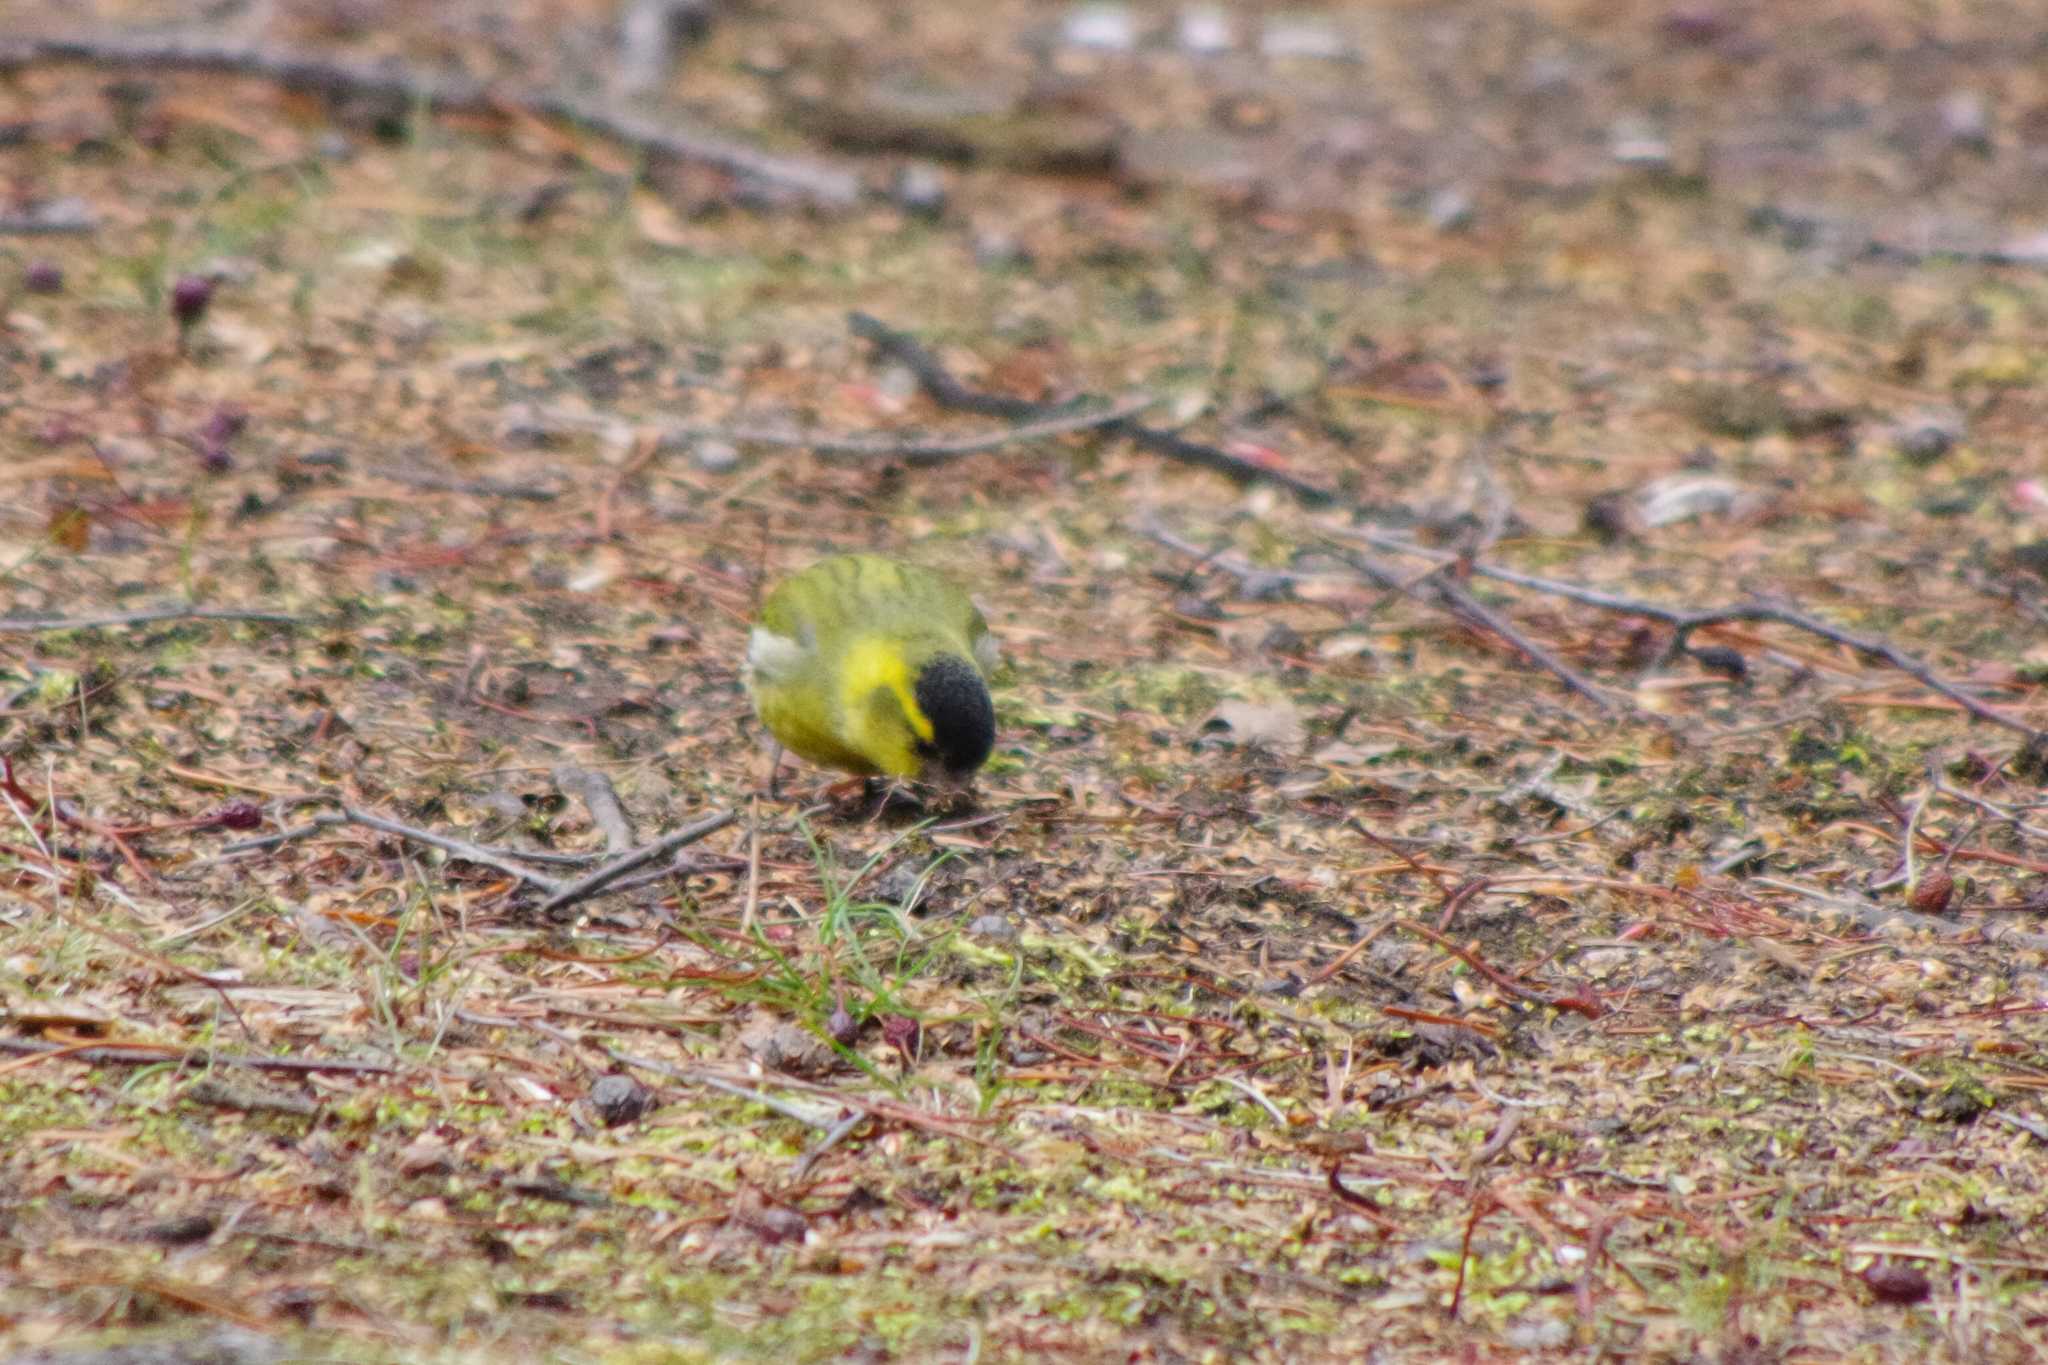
(320, 822)
(942, 388)
(15, 625)
(1462, 604)
(1685, 622)
(1580, 1003)
(338, 81)
(135, 949)
(1873, 918)
(686, 1076)
(461, 848)
(149, 1054)
(588, 886)
(476, 488)
(249, 1101)
(832, 1137)
(601, 799)
(914, 450)
(1433, 587)
(908, 1115)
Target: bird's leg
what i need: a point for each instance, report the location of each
(775, 773)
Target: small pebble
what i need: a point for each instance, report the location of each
(620, 1099)
(1205, 31)
(1634, 142)
(1926, 437)
(1107, 28)
(43, 277)
(1966, 119)
(920, 190)
(1302, 36)
(992, 929)
(1450, 210)
(1696, 25)
(715, 456)
(999, 251)
(189, 297)
(225, 423)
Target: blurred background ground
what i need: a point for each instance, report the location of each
(1319, 975)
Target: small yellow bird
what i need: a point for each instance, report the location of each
(876, 667)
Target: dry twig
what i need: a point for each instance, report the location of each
(917, 450)
(15, 625)
(401, 91)
(942, 388)
(585, 887)
(1685, 622)
(601, 799)
(461, 848)
(150, 1054)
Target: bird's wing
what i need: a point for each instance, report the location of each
(775, 658)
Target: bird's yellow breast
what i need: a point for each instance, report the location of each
(834, 661)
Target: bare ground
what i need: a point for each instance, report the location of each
(1319, 974)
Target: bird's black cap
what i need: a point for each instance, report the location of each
(955, 699)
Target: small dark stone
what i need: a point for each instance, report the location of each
(177, 1232)
(1957, 1104)
(189, 297)
(619, 1099)
(2032, 557)
(43, 277)
(1898, 1283)
(780, 1225)
(239, 815)
(902, 885)
(1729, 663)
(296, 1303)
(224, 424)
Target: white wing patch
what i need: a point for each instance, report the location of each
(772, 657)
(987, 653)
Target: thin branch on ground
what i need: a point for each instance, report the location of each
(136, 949)
(1872, 917)
(601, 799)
(150, 1054)
(588, 886)
(916, 450)
(461, 848)
(1577, 1004)
(686, 1076)
(1468, 609)
(15, 625)
(833, 1136)
(2010, 815)
(1685, 623)
(476, 488)
(942, 388)
(1433, 588)
(403, 91)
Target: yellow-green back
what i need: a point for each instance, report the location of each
(837, 657)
